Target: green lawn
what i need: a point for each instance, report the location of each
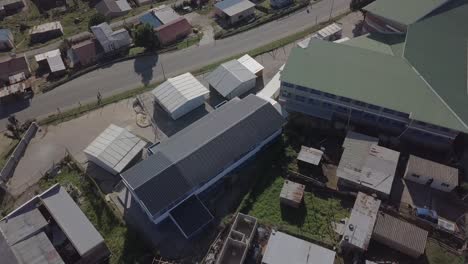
(78, 12)
(438, 255)
(123, 243)
(312, 220)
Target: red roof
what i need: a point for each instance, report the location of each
(85, 50)
(174, 30)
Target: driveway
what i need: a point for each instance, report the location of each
(126, 75)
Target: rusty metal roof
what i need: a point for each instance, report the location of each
(292, 191)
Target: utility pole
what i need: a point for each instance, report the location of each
(331, 9)
(162, 68)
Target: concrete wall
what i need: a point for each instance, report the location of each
(10, 165)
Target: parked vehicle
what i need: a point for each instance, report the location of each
(427, 214)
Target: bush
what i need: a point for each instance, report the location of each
(144, 37)
(96, 19)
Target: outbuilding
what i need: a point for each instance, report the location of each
(234, 11)
(231, 79)
(6, 39)
(180, 95)
(253, 65)
(436, 175)
(114, 149)
(292, 194)
(45, 32)
(113, 8)
(173, 31)
(82, 54)
(52, 61)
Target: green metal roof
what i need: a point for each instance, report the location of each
(386, 44)
(368, 76)
(405, 12)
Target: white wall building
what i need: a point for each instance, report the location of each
(436, 175)
(180, 95)
(111, 40)
(232, 79)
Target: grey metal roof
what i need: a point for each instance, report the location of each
(310, 155)
(165, 14)
(176, 92)
(229, 76)
(200, 216)
(199, 152)
(38, 250)
(21, 225)
(365, 163)
(358, 229)
(76, 226)
(6, 253)
(434, 170)
(116, 147)
(283, 248)
(233, 7)
(390, 230)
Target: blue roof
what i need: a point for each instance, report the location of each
(426, 212)
(227, 3)
(5, 33)
(151, 19)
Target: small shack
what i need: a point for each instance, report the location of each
(310, 156)
(234, 11)
(231, 79)
(114, 149)
(252, 65)
(45, 32)
(51, 61)
(113, 8)
(436, 175)
(292, 193)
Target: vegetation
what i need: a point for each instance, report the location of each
(190, 41)
(96, 19)
(145, 37)
(438, 255)
(124, 245)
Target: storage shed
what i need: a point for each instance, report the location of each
(114, 149)
(45, 32)
(180, 95)
(231, 79)
(330, 32)
(235, 10)
(292, 193)
(283, 248)
(400, 235)
(52, 60)
(310, 155)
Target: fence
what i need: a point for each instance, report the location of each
(10, 165)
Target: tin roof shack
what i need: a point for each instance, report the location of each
(111, 41)
(113, 8)
(237, 243)
(173, 31)
(283, 248)
(50, 229)
(400, 235)
(180, 95)
(6, 40)
(114, 149)
(358, 229)
(436, 175)
(9, 7)
(366, 166)
(292, 194)
(231, 79)
(51, 62)
(10, 66)
(45, 32)
(310, 155)
(235, 11)
(252, 65)
(82, 54)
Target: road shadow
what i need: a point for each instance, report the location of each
(13, 106)
(144, 65)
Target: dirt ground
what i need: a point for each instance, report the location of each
(4, 143)
(52, 143)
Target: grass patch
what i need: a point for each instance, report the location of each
(190, 41)
(123, 244)
(438, 255)
(136, 51)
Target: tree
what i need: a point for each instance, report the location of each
(144, 37)
(96, 19)
(13, 126)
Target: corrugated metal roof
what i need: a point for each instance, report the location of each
(191, 216)
(199, 152)
(233, 7)
(283, 248)
(365, 163)
(56, 64)
(329, 30)
(310, 155)
(229, 76)
(46, 27)
(123, 5)
(116, 147)
(76, 226)
(48, 54)
(21, 225)
(251, 64)
(165, 14)
(358, 229)
(434, 170)
(38, 250)
(389, 230)
(292, 191)
(177, 91)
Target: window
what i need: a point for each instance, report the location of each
(342, 109)
(300, 98)
(445, 185)
(311, 101)
(330, 95)
(301, 88)
(327, 105)
(312, 91)
(360, 103)
(286, 94)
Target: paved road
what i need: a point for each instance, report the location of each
(129, 74)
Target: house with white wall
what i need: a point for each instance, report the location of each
(436, 175)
